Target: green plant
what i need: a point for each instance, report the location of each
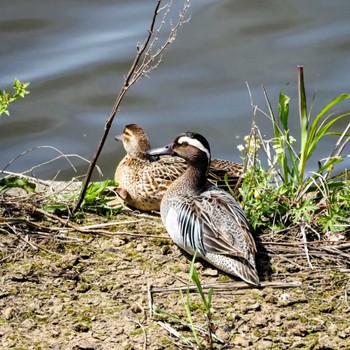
(206, 303)
(96, 193)
(97, 198)
(189, 306)
(283, 192)
(15, 182)
(8, 97)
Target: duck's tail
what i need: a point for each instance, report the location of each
(234, 266)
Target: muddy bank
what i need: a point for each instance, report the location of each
(94, 289)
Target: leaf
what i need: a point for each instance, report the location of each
(16, 182)
(52, 208)
(7, 97)
(283, 106)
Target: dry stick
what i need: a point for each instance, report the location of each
(173, 331)
(227, 286)
(150, 299)
(33, 245)
(66, 156)
(123, 233)
(68, 224)
(106, 224)
(127, 83)
(143, 330)
(178, 335)
(5, 221)
(311, 244)
(305, 246)
(346, 294)
(43, 182)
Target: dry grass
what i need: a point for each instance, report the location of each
(102, 276)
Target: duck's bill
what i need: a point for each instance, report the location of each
(162, 151)
(153, 158)
(119, 137)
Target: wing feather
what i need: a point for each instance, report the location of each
(215, 223)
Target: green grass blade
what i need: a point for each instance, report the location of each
(304, 124)
(282, 142)
(210, 297)
(195, 278)
(330, 105)
(190, 320)
(283, 106)
(304, 121)
(329, 164)
(280, 137)
(318, 134)
(317, 124)
(272, 115)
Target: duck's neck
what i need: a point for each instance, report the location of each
(198, 176)
(138, 154)
(195, 177)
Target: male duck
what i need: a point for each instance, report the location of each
(142, 181)
(201, 217)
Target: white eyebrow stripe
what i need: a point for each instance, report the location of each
(194, 143)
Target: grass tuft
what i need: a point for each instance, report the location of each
(278, 190)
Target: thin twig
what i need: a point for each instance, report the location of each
(69, 225)
(115, 108)
(144, 332)
(34, 246)
(150, 299)
(305, 246)
(172, 331)
(309, 243)
(107, 224)
(347, 286)
(122, 233)
(136, 71)
(27, 177)
(61, 155)
(228, 286)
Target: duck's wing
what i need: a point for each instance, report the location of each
(168, 168)
(219, 168)
(158, 175)
(215, 223)
(226, 228)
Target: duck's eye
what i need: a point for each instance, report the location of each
(184, 144)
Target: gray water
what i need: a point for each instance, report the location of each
(75, 55)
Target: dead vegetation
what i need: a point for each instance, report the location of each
(94, 283)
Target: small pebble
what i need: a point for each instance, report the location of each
(8, 313)
(210, 273)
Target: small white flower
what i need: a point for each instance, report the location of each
(291, 139)
(278, 149)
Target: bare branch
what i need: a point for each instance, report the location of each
(61, 155)
(138, 69)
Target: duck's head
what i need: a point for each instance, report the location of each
(192, 147)
(135, 142)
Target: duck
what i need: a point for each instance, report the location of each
(203, 219)
(143, 179)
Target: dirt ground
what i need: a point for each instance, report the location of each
(95, 293)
